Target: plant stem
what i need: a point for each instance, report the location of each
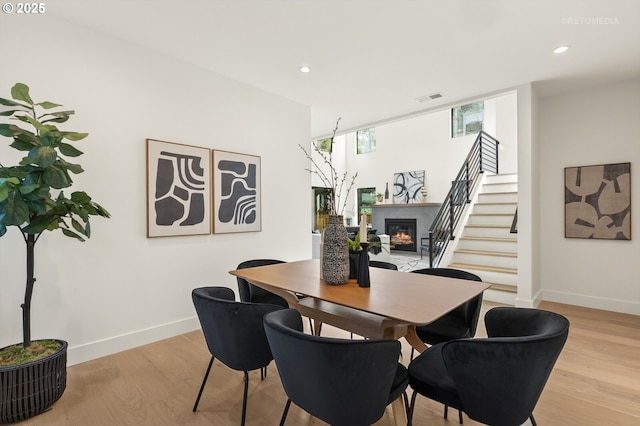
(26, 306)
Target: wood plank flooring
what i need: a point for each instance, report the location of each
(596, 381)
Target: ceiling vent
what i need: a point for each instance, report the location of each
(430, 97)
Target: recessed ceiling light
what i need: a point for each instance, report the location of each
(305, 69)
(561, 49)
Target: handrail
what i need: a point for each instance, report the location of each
(514, 224)
(482, 157)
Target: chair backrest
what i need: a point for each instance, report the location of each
(468, 311)
(233, 330)
(340, 381)
(499, 379)
(383, 265)
(251, 293)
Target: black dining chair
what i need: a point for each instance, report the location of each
(340, 381)
(383, 265)
(252, 293)
(459, 323)
(495, 380)
(234, 333)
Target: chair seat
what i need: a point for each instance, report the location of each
(400, 383)
(444, 329)
(428, 376)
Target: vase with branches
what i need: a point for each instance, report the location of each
(335, 246)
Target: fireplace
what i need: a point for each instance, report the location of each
(402, 234)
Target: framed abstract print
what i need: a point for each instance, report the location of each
(178, 189)
(597, 202)
(236, 192)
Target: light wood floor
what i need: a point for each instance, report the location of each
(596, 381)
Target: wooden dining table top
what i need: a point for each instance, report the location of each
(415, 299)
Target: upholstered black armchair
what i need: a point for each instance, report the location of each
(340, 381)
(496, 380)
(252, 293)
(234, 333)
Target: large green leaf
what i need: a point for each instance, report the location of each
(56, 177)
(73, 168)
(9, 112)
(43, 156)
(16, 211)
(48, 105)
(71, 234)
(38, 224)
(20, 92)
(28, 189)
(56, 117)
(3, 230)
(74, 136)
(9, 102)
(4, 191)
(80, 197)
(10, 130)
(69, 150)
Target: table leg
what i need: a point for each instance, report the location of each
(414, 340)
(399, 411)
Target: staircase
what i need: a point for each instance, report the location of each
(486, 246)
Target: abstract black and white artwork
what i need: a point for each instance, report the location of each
(407, 187)
(236, 192)
(178, 189)
(597, 202)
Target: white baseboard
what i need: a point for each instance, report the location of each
(98, 349)
(615, 305)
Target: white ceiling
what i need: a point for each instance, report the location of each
(370, 60)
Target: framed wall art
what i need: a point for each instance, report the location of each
(178, 189)
(597, 202)
(236, 192)
(407, 187)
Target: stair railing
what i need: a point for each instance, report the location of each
(482, 157)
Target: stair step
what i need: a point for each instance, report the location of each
(498, 197)
(486, 258)
(499, 187)
(502, 177)
(493, 239)
(484, 268)
(499, 208)
(502, 219)
(503, 245)
(503, 287)
(487, 253)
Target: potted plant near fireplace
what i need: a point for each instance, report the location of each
(33, 373)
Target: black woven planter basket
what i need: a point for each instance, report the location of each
(28, 389)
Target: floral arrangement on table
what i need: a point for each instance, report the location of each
(331, 179)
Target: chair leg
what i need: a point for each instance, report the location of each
(286, 411)
(311, 326)
(460, 416)
(263, 372)
(533, 421)
(244, 399)
(206, 376)
(412, 406)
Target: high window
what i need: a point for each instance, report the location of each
(366, 140)
(467, 119)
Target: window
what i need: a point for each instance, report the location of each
(467, 119)
(366, 140)
(324, 144)
(366, 198)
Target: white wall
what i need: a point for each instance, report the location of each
(599, 125)
(121, 289)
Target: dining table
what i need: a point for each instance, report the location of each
(391, 306)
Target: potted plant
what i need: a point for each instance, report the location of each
(33, 374)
